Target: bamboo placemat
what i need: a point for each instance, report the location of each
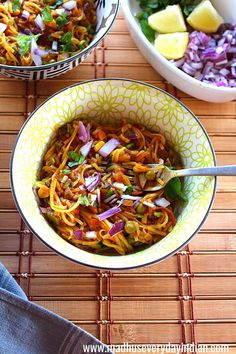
(191, 297)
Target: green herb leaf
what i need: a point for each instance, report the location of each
(24, 42)
(90, 29)
(109, 193)
(15, 5)
(58, 3)
(129, 190)
(62, 20)
(46, 14)
(157, 214)
(83, 44)
(130, 145)
(84, 200)
(66, 42)
(148, 7)
(77, 159)
(66, 172)
(73, 155)
(173, 189)
(147, 30)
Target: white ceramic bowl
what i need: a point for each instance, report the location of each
(172, 74)
(107, 101)
(106, 11)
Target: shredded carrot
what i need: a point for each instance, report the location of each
(138, 167)
(100, 135)
(44, 192)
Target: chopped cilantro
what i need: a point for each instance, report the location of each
(66, 172)
(77, 159)
(75, 163)
(62, 20)
(46, 14)
(66, 42)
(24, 42)
(130, 145)
(149, 7)
(73, 155)
(147, 30)
(129, 190)
(90, 29)
(173, 189)
(58, 3)
(15, 5)
(84, 200)
(157, 214)
(83, 44)
(109, 193)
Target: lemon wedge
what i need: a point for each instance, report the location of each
(170, 20)
(172, 45)
(205, 18)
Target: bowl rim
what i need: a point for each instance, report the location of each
(85, 51)
(130, 18)
(67, 256)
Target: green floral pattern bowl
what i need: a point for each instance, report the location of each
(107, 101)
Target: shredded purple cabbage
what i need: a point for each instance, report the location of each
(211, 58)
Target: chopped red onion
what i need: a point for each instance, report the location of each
(179, 62)
(25, 14)
(116, 228)
(27, 31)
(42, 53)
(162, 202)
(93, 198)
(109, 147)
(120, 202)
(69, 5)
(99, 196)
(210, 58)
(3, 27)
(60, 11)
(36, 58)
(113, 201)
(151, 205)
(82, 188)
(188, 69)
(87, 5)
(54, 45)
(39, 22)
(92, 182)
(43, 210)
(119, 186)
(78, 234)
(108, 213)
(91, 235)
(133, 136)
(136, 203)
(83, 132)
(84, 150)
(130, 197)
(110, 199)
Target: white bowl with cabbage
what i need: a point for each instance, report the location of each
(192, 44)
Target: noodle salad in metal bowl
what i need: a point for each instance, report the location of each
(43, 32)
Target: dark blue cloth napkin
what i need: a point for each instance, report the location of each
(26, 328)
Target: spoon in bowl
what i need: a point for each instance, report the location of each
(165, 174)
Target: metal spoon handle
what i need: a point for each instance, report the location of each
(208, 171)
